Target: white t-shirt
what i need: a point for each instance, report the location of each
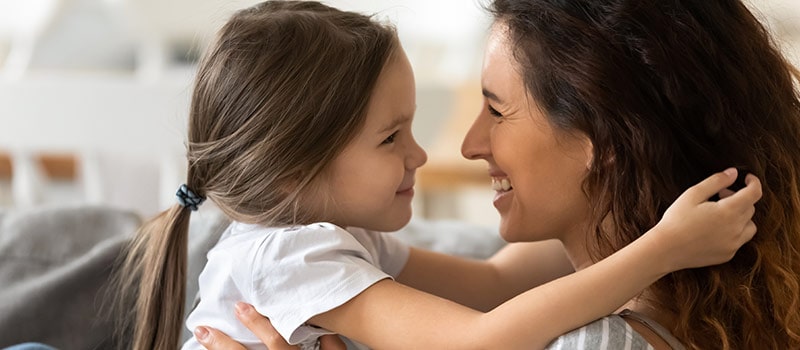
(290, 274)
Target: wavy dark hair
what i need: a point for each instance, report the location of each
(277, 97)
(670, 91)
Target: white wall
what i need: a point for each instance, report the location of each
(100, 77)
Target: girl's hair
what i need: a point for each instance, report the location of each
(670, 91)
(279, 94)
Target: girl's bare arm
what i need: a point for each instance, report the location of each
(693, 233)
(483, 285)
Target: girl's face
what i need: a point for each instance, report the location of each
(371, 183)
(536, 170)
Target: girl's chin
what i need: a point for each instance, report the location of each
(396, 223)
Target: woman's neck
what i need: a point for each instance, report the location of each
(644, 305)
(576, 244)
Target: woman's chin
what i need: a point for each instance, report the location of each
(508, 232)
(513, 231)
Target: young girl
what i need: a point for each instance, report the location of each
(300, 131)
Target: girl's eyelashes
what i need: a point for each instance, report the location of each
(389, 139)
(494, 112)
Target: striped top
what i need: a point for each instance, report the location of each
(613, 333)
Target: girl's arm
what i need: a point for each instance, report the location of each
(483, 285)
(692, 233)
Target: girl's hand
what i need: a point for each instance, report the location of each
(213, 339)
(697, 232)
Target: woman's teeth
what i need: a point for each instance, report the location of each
(501, 184)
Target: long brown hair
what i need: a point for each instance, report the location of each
(670, 91)
(278, 95)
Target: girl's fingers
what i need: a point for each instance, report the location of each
(725, 193)
(746, 196)
(712, 185)
(749, 231)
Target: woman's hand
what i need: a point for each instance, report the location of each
(213, 339)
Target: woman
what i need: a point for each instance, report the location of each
(599, 112)
(664, 91)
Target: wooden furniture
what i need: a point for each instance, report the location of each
(54, 166)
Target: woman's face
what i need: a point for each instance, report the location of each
(536, 170)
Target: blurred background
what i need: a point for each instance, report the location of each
(94, 96)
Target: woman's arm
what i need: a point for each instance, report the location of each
(213, 339)
(483, 285)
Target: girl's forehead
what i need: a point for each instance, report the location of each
(393, 100)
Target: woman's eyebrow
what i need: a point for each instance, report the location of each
(491, 95)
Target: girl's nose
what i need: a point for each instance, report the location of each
(417, 157)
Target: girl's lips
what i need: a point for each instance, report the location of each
(407, 186)
(407, 192)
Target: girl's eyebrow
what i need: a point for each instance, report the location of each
(491, 95)
(395, 122)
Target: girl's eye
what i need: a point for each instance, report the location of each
(494, 112)
(389, 139)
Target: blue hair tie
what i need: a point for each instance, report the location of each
(188, 199)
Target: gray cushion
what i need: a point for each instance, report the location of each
(56, 262)
(452, 237)
(53, 263)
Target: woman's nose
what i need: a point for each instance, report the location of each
(476, 142)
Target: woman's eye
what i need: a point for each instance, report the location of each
(494, 112)
(389, 139)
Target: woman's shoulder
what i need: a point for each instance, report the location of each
(616, 332)
(610, 332)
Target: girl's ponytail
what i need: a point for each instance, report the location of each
(278, 95)
(153, 279)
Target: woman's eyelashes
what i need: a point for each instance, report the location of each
(389, 139)
(494, 112)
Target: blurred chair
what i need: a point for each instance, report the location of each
(80, 81)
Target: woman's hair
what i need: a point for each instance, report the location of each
(279, 95)
(670, 91)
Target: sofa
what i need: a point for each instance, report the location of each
(55, 264)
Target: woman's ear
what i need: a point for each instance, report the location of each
(588, 151)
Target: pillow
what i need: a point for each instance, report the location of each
(53, 264)
(452, 237)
